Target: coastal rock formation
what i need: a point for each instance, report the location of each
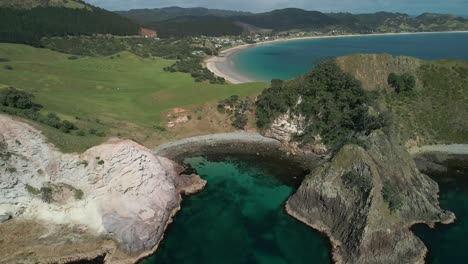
(288, 125)
(365, 200)
(114, 200)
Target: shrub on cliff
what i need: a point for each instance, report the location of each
(391, 195)
(404, 82)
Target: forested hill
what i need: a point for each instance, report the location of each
(30, 20)
(167, 13)
(176, 21)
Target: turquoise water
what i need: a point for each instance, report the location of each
(447, 243)
(286, 60)
(239, 218)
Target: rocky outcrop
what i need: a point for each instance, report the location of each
(286, 126)
(118, 197)
(365, 200)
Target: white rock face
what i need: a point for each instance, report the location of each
(286, 126)
(118, 189)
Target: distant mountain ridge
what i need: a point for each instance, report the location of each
(169, 20)
(167, 13)
(29, 4)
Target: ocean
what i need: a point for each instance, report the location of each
(285, 60)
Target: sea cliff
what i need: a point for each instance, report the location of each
(114, 201)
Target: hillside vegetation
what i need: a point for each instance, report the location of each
(29, 21)
(29, 4)
(178, 21)
(122, 95)
(342, 101)
(431, 113)
(196, 26)
(329, 103)
(167, 13)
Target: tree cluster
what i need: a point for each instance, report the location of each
(237, 109)
(20, 103)
(332, 102)
(402, 83)
(197, 71)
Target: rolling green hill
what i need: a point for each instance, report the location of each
(122, 95)
(29, 21)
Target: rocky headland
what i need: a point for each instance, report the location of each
(369, 190)
(114, 201)
(366, 200)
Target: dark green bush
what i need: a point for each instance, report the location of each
(240, 120)
(392, 196)
(404, 82)
(356, 181)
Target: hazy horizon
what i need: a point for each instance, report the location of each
(257, 6)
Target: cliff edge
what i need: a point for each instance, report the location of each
(366, 200)
(113, 201)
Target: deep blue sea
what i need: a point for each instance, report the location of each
(285, 60)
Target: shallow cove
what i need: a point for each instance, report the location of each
(239, 217)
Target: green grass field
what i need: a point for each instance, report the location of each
(119, 92)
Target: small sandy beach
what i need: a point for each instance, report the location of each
(223, 66)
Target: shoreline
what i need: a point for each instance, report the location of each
(224, 66)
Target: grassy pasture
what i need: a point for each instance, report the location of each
(124, 95)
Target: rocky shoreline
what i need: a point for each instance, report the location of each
(113, 201)
(325, 200)
(366, 200)
(440, 160)
(236, 143)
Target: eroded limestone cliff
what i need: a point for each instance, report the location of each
(115, 199)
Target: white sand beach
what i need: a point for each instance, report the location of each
(223, 66)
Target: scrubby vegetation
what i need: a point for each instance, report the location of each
(20, 103)
(237, 109)
(355, 181)
(436, 113)
(402, 83)
(193, 66)
(332, 102)
(392, 196)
